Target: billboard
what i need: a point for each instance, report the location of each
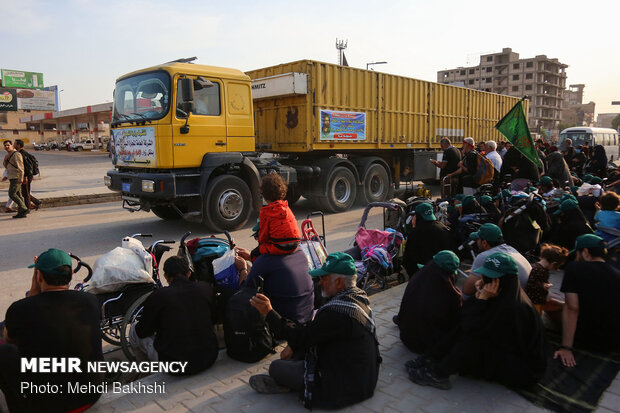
(8, 100)
(19, 79)
(36, 99)
(338, 125)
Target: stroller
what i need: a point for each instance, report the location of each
(378, 253)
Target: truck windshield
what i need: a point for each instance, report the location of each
(578, 138)
(141, 98)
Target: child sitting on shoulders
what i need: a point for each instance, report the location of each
(552, 257)
(607, 216)
(278, 232)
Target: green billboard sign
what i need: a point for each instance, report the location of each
(24, 80)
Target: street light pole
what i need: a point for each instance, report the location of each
(374, 63)
(59, 92)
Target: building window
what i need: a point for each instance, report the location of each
(515, 88)
(529, 76)
(471, 81)
(515, 77)
(462, 73)
(516, 66)
(3, 118)
(529, 64)
(528, 87)
(489, 58)
(471, 71)
(489, 69)
(488, 80)
(445, 74)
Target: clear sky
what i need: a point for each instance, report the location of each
(84, 45)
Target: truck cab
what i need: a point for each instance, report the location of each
(175, 129)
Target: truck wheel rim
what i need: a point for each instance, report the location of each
(376, 186)
(231, 204)
(342, 191)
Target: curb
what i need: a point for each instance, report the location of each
(79, 200)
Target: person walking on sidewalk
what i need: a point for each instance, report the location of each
(31, 168)
(15, 174)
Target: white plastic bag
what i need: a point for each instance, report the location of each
(225, 271)
(116, 269)
(136, 246)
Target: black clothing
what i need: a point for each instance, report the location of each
(598, 286)
(569, 153)
(424, 241)
(500, 339)
(287, 283)
(518, 166)
(569, 226)
(347, 356)
(452, 157)
(597, 165)
(180, 318)
(51, 324)
(429, 309)
(557, 168)
(577, 162)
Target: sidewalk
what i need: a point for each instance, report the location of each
(225, 388)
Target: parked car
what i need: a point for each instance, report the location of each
(86, 145)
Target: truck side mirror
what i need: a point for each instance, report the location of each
(187, 89)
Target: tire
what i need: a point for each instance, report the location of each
(228, 203)
(341, 190)
(375, 185)
(292, 194)
(79, 149)
(131, 316)
(166, 212)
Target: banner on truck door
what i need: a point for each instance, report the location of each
(134, 146)
(348, 126)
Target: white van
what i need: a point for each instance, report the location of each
(580, 135)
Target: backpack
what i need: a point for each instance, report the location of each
(247, 335)
(31, 165)
(484, 171)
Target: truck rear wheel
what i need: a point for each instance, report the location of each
(166, 212)
(292, 194)
(228, 203)
(341, 189)
(375, 186)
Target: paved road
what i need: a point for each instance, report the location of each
(91, 230)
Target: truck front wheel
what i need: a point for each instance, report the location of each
(341, 189)
(228, 203)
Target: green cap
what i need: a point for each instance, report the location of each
(52, 259)
(447, 260)
(425, 210)
(468, 200)
(497, 265)
(596, 181)
(532, 189)
(488, 232)
(567, 205)
(336, 263)
(546, 180)
(485, 199)
(459, 197)
(505, 193)
(587, 178)
(588, 241)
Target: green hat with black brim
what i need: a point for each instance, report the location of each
(488, 232)
(425, 210)
(588, 241)
(497, 265)
(336, 263)
(569, 204)
(50, 260)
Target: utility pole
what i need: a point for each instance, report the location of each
(341, 45)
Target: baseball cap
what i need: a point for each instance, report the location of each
(468, 200)
(425, 210)
(470, 141)
(588, 241)
(336, 263)
(596, 181)
(488, 232)
(497, 265)
(447, 260)
(546, 180)
(567, 205)
(587, 178)
(52, 259)
(485, 199)
(505, 193)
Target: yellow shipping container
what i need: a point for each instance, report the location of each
(380, 111)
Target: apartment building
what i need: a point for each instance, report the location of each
(542, 79)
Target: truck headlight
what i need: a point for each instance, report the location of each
(107, 181)
(148, 186)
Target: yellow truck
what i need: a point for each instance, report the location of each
(191, 139)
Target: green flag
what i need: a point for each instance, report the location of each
(514, 127)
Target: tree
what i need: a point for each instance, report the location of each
(544, 132)
(562, 126)
(615, 122)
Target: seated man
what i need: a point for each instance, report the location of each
(426, 239)
(341, 351)
(52, 321)
(467, 166)
(179, 316)
(429, 310)
(591, 314)
(490, 239)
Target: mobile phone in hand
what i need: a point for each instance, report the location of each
(261, 285)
